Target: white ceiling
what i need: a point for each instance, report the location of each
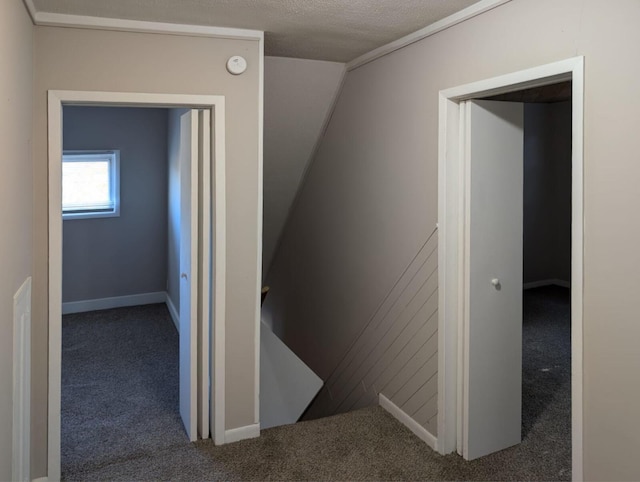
(338, 30)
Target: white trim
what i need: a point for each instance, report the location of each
(464, 245)
(31, 9)
(113, 302)
(312, 155)
(136, 99)
(40, 479)
(204, 251)
(454, 19)
(421, 432)
(577, 269)
(258, 292)
(242, 433)
(190, 223)
(54, 284)
(113, 156)
(102, 23)
(124, 301)
(56, 98)
(21, 398)
(175, 317)
(547, 74)
(451, 199)
(219, 277)
(546, 282)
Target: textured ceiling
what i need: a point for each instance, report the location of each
(338, 30)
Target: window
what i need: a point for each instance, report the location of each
(90, 184)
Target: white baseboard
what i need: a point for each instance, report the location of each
(114, 302)
(421, 432)
(41, 479)
(242, 433)
(546, 282)
(175, 316)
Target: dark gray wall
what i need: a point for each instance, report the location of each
(123, 255)
(547, 192)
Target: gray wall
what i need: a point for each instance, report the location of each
(298, 96)
(124, 255)
(16, 193)
(173, 207)
(98, 60)
(547, 192)
(397, 352)
(370, 199)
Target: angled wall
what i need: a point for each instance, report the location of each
(370, 199)
(298, 97)
(396, 354)
(16, 194)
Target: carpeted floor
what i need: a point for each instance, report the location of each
(119, 387)
(120, 418)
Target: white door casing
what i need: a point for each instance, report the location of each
(215, 237)
(451, 246)
(492, 370)
(204, 279)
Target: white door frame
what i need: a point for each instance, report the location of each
(452, 224)
(216, 106)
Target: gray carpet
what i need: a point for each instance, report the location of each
(100, 440)
(119, 386)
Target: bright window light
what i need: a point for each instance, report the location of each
(90, 184)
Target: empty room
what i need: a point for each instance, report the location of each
(122, 284)
(449, 282)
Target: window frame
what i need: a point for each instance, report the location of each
(114, 175)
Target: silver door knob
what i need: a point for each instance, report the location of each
(495, 282)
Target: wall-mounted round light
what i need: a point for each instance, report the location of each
(236, 65)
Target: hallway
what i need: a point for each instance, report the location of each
(120, 419)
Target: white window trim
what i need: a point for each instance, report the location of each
(114, 154)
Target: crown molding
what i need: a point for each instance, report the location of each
(47, 19)
(458, 17)
(102, 23)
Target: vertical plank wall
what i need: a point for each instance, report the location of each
(396, 352)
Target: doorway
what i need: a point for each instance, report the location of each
(456, 221)
(207, 254)
(126, 224)
(546, 348)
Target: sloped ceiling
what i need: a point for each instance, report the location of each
(298, 97)
(337, 30)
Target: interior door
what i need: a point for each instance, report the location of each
(492, 385)
(188, 270)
